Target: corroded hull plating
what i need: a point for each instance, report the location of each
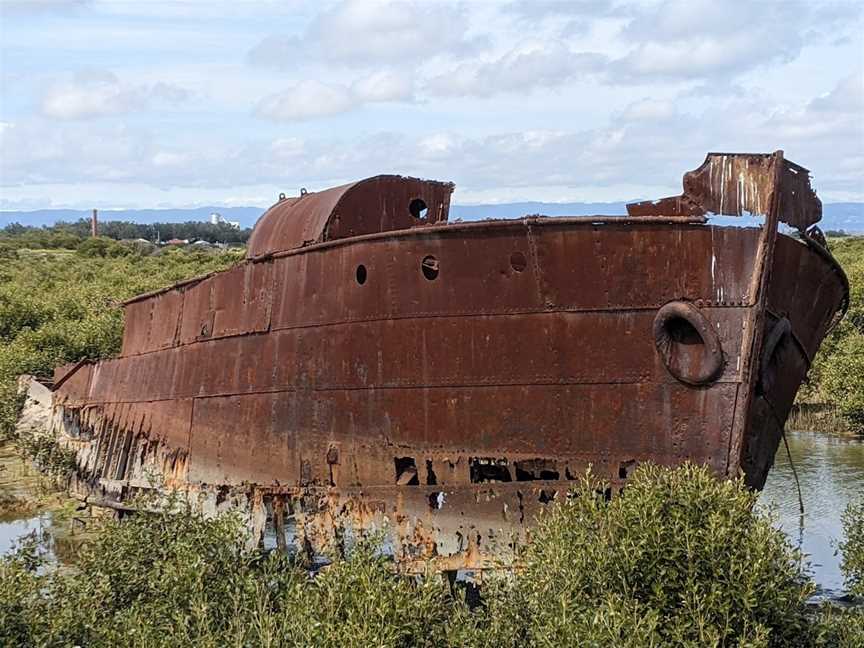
(449, 380)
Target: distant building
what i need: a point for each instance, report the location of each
(175, 241)
(217, 219)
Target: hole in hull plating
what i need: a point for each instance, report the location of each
(431, 477)
(406, 471)
(518, 261)
(546, 496)
(536, 470)
(485, 470)
(418, 209)
(429, 266)
(625, 468)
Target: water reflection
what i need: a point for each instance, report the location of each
(11, 533)
(831, 472)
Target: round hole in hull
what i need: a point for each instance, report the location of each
(429, 266)
(518, 261)
(418, 209)
(361, 274)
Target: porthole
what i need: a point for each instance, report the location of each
(361, 274)
(688, 344)
(518, 261)
(429, 266)
(418, 209)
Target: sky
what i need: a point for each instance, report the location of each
(154, 103)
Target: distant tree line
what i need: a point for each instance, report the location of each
(70, 234)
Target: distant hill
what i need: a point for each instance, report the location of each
(847, 216)
(515, 210)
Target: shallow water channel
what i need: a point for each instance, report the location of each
(831, 473)
(830, 470)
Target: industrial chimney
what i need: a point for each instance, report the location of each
(94, 225)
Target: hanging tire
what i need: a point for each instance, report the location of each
(688, 344)
(776, 337)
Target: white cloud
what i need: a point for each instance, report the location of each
(306, 100)
(287, 147)
(312, 98)
(708, 40)
(524, 68)
(696, 57)
(99, 93)
(440, 145)
(169, 159)
(648, 144)
(532, 100)
(362, 32)
(847, 98)
(384, 85)
(41, 6)
(468, 50)
(649, 109)
(168, 93)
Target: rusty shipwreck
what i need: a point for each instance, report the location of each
(370, 364)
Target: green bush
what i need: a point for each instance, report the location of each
(836, 627)
(180, 580)
(57, 306)
(837, 374)
(102, 246)
(853, 548)
(842, 378)
(679, 559)
(14, 237)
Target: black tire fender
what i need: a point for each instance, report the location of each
(669, 319)
(781, 329)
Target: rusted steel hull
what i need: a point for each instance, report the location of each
(460, 380)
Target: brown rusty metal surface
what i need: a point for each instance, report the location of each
(378, 204)
(449, 380)
(734, 184)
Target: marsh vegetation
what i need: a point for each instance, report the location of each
(679, 559)
(832, 399)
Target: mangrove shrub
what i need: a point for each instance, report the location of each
(58, 306)
(678, 559)
(853, 548)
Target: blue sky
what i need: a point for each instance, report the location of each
(185, 103)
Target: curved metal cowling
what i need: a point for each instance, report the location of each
(377, 204)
